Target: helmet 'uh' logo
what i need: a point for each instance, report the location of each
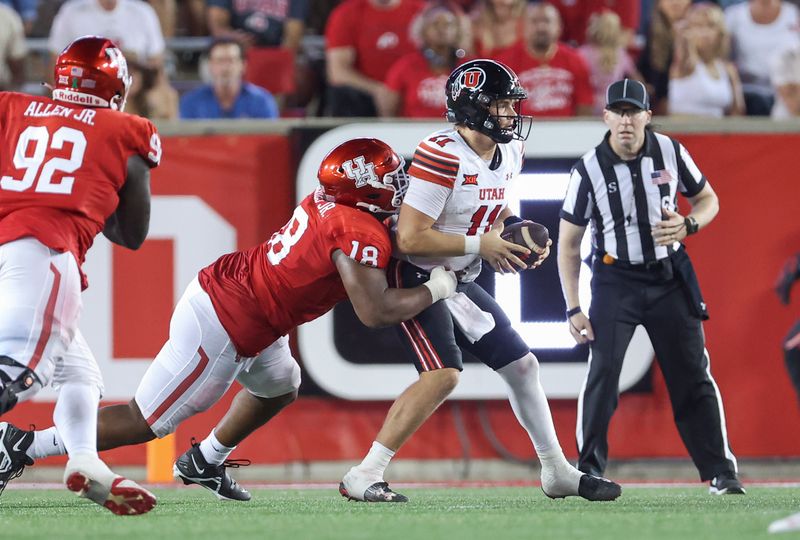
(470, 79)
(358, 170)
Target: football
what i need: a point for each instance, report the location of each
(530, 234)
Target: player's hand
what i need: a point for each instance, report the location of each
(500, 254)
(669, 230)
(542, 255)
(580, 328)
(442, 283)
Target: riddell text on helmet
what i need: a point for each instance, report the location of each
(79, 98)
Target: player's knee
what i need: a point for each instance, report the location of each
(139, 424)
(445, 380)
(281, 380)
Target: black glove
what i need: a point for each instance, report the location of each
(787, 277)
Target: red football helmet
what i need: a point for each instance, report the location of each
(92, 72)
(364, 173)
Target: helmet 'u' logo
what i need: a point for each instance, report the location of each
(360, 171)
(473, 78)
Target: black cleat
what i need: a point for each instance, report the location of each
(377, 492)
(192, 468)
(14, 443)
(597, 488)
(726, 484)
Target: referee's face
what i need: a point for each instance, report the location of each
(627, 124)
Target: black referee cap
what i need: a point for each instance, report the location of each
(627, 91)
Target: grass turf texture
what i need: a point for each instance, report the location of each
(457, 513)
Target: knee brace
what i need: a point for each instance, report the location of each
(17, 383)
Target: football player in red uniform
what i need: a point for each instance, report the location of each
(232, 321)
(71, 166)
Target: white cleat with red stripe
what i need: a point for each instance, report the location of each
(90, 478)
(787, 524)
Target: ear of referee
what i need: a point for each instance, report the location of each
(627, 187)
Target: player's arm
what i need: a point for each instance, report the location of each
(376, 304)
(129, 224)
(569, 268)
(416, 236)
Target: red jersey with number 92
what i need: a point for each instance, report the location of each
(265, 292)
(61, 167)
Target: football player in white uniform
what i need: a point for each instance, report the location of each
(452, 215)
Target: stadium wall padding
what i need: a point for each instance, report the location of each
(248, 181)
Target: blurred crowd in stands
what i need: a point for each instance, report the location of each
(201, 59)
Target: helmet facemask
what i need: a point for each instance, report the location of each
(395, 181)
(492, 125)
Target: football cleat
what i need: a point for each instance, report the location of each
(14, 443)
(357, 486)
(90, 478)
(726, 484)
(192, 468)
(563, 480)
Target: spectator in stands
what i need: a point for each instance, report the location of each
(554, 74)
(12, 49)
(575, 15)
(26, 9)
(760, 29)
(131, 24)
(702, 81)
(151, 95)
(605, 55)
(166, 11)
(262, 23)
(786, 81)
(228, 96)
(497, 25)
(363, 39)
(656, 58)
(414, 83)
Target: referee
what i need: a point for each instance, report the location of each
(627, 187)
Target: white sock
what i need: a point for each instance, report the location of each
(46, 443)
(75, 417)
(214, 451)
(377, 459)
(530, 405)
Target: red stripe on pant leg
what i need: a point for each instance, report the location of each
(426, 343)
(408, 326)
(47, 323)
(181, 389)
(420, 355)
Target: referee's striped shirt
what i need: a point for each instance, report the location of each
(623, 199)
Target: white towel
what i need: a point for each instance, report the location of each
(470, 319)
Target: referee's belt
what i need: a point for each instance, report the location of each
(650, 266)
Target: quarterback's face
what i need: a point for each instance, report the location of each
(506, 111)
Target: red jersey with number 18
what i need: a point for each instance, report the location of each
(264, 292)
(61, 167)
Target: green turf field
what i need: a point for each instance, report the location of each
(454, 513)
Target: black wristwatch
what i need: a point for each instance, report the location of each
(691, 225)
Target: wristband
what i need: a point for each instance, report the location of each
(472, 245)
(510, 220)
(691, 225)
(573, 311)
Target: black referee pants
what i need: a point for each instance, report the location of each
(621, 300)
